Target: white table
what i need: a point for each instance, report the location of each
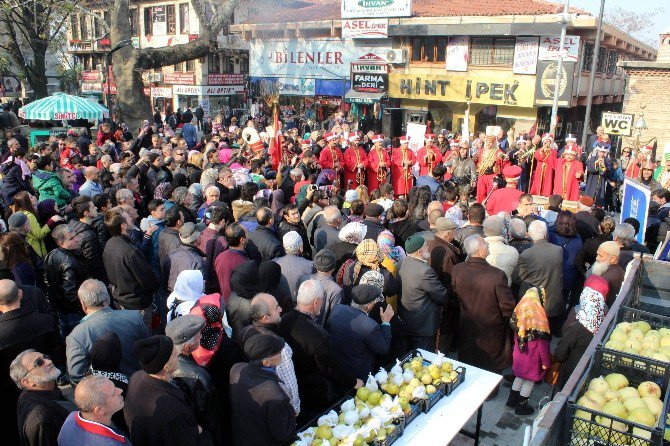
(446, 419)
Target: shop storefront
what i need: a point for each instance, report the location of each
(213, 98)
(489, 97)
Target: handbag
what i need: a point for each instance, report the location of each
(551, 376)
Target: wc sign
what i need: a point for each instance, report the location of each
(619, 124)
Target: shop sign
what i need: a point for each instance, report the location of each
(550, 48)
(369, 68)
(313, 58)
(91, 76)
(296, 87)
(490, 88)
(91, 87)
(352, 9)
(369, 83)
(365, 29)
(77, 45)
(161, 92)
(546, 83)
(525, 55)
(225, 79)
(179, 78)
(620, 124)
(112, 88)
(159, 20)
(207, 90)
(457, 53)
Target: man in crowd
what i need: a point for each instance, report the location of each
(293, 265)
(186, 257)
(87, 237)
(235, 255)
(608, 252)
(325, 264)
(476, 215)
(373, 218)
(263, 243)
(293, 222)
(328, 231)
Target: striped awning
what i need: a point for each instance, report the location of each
(62, 107)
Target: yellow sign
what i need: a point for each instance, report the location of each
(490, 89)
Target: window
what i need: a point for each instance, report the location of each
(602, 60)
(148, 25)
(83, 27)
(183, 18)
(171, 19)
(178, 68)
(417, 45)
(74, 27)
(614, 58)
(190, 66)
(227, 64)
(213, 63)
(96, 28)
(588, 56)
(491, 51)
(133, 22)
(429, 49)
(441, 49)
(244, 65)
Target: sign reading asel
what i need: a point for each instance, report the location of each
(365, 28)
(495, 90)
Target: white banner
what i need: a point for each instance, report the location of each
(91, 87)
(525, 55)
(161, 92)
(416, 134)
(314, 58)
(365, 29)
(550, 48)
(457, 53)
(207, 90)
(352, 9)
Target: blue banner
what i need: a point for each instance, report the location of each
(636, 198)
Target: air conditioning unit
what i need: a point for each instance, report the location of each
(396, 56)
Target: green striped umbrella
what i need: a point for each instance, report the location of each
(61, 106)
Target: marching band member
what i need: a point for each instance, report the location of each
(402, 160)
(379, 163)
(428, 156)
(490, 163)
(569, 173)
(543, 171)
(355, 164)
(507, 198)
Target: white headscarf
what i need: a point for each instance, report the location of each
(188, 289)
(353, 232)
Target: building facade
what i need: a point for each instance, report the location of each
(481, 63)
(217, 81)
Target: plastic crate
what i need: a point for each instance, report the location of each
(582, 427)
(627, 314)
(450, 387)
(434, 398)
(390, 439)
(415, 409)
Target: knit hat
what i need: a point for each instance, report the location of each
(262, 346)
(184, 328)
(414, 243)
(17, 220)
(374, 210)
(153, 353)
(373, 277)
(350, 195)
(291, 241)
(353, 232)
(610, 248)
(364, 294)
(190, 232)
(598, 284)
(325, 261)
(444, 224)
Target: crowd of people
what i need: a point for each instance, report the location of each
(211, 284)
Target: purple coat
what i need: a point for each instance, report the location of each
(528, 364)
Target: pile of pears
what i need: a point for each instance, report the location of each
(638, 338)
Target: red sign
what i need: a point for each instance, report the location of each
(179, 78)
(65, 116)
(112, 88)
(192, 37)
(225, 79)
(91, 76)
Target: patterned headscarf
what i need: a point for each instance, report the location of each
(367, 254)
(353, 232)
(592, 309)
(529, 320)
(373, 278)
(387, 247)
(455, 214)
(161, 191)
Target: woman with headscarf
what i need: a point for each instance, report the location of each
(273, 282)
(367, 257)
(15, 254)
(530, 357)
(350, 236)
(393, 255)
(187, 289)
(582, 323)
(277, 204)
(245, 284)
(46, 209)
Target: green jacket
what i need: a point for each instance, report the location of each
(48, 185)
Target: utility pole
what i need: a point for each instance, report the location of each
(592, 77)
(559, 70)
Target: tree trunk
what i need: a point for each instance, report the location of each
(37, 76)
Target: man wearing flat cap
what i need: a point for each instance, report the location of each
(325, 265)
(357, 339)
(608, 252)
(156, 410)
(422, 295)
(372, 220)
(186, 333)
(261, 411)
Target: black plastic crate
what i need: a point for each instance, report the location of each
(415, 409)
(627, 314)
(390, 439)
(584, 430)
(450, 387)
(434, 398)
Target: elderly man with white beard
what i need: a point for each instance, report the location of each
(608, 254)
(42, 408)
(423, 295)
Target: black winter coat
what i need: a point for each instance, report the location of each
(263, 244)
(13, 182)
(89, 247)
(98, 224)
(286, 227)
(133, 282)
(65, 271)
(261, 411)
(41, 414)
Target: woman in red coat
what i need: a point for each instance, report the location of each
(378, 164)
(531, 355)
(543, 169)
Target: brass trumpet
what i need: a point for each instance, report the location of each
(381, 171)
(429, 159)
(360, 175)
